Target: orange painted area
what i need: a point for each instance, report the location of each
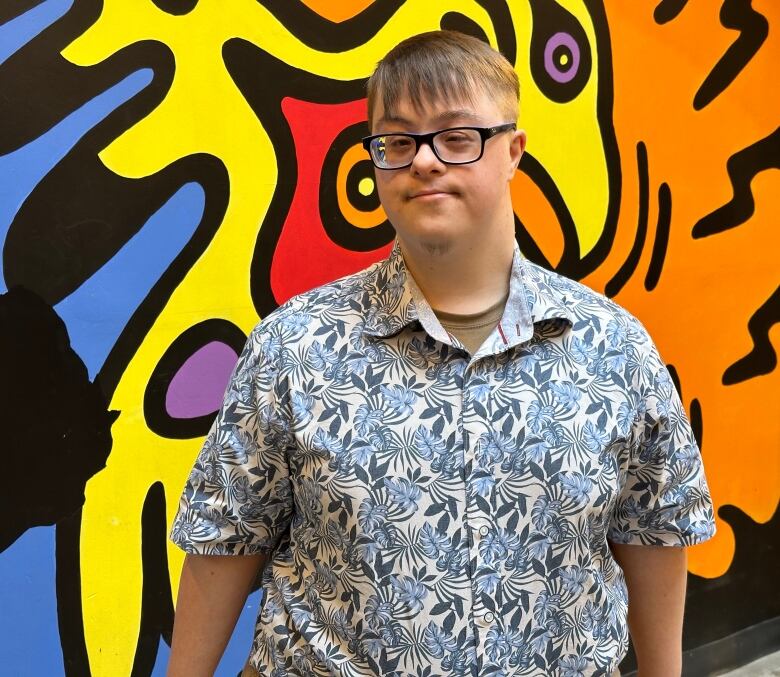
(537, 215)
(709, 288)
(338, 11)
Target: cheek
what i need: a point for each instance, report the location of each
(388, 193)
(483, 195)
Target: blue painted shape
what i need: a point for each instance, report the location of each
(98, 311)
(22, 169)
(161, 662)
(29, 638)
(17, 32)
(237, 651)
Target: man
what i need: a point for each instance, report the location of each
(445, 464)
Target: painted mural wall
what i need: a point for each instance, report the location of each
(171, 171)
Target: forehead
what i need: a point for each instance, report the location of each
(477, 109)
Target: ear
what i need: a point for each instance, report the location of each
(516, 149)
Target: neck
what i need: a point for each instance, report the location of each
(464, 277)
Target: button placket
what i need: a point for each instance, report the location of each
(474, 423)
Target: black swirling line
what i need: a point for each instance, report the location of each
(753, 29)
(696, 415)
(500, 18)
(762, 359)
(10, 9)
(661, 242)
(742, 167)
(534, 169)
(572, 263)
(156, 597)
(666, 10)
(40, 87)
(697, 422)
(632, 261)
(324, 35)
(70, 616)
(455, 21)
(675, 379)
(211, 175)
(176, 7)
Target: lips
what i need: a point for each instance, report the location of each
(429, 194)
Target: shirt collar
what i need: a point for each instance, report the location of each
(395, 301)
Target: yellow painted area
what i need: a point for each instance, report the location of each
(565, 138)
(366, 186)
(203, 112)
(212, 22)
(564, 59)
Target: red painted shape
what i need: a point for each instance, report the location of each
(305, 257)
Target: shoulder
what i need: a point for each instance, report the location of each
(585, 307)
(347, 300)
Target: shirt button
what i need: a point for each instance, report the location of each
(489, 617)
(484, 531)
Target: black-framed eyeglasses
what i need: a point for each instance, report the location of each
(453, 146)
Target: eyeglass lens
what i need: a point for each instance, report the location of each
(452, 145)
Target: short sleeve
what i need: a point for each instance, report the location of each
(237, 499)
(663, 496)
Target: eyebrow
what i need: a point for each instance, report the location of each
(446, 116)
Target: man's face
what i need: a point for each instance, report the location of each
(433, 205)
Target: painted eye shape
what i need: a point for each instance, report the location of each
(562, 57)
(334, 224)
(561, 60)
(349, 202)
(187, 386)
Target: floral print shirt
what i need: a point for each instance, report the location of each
(431, 512)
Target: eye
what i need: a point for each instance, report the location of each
(397, 143)
(455, 138)
(561, 59)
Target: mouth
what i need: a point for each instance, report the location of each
(425, 195)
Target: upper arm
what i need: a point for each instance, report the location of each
(237, 499)
(663, 495)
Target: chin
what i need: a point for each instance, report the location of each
(435, 239)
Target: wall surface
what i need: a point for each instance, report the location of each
(172, 171)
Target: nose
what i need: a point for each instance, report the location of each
(425, 160)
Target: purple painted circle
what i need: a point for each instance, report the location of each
(561, 40)
(198, 387)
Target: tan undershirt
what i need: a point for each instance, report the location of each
(472, 330)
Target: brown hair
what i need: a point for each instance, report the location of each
(443, 65)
